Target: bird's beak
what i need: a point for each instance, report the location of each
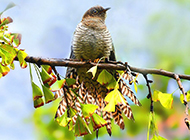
(106, 9)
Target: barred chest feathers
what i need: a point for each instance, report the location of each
(91, 42)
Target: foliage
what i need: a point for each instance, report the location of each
(8, 46)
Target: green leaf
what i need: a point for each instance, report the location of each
(187, 97)
(155, 96)
(63, 120)
(72, 111)
(93, 70)
(97, 121)
(70, 81)
(116, 95)
(52, 81)
(12, 66)
(49, 96)
(38, 102)
(57, 85)
(114, 98)
(81, 127)
(10, 5)
(166, 100)
(47, 68)
(5, 21)
(3, 57)
(155, 137)
(72, 114)
(45, 76)
(70, 125)
(110, 107)
(135, 87)
(120, 71)
(104, 77)
(8, 53)
(148, 132)
(151, 125)
(37, 92)
(112, 84)
(153, 128)
(16, 39)
(4, 70)
(21, 57)
(182, 98)
(88, 109)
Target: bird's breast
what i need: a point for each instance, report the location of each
(91, 43)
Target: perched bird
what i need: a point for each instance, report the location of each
(92, 41)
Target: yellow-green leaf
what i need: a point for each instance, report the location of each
(57, 85)
(93, 70)
(88, 109)
(120, 71)
(47, 68)
(81, 127)
(5, 21)
(4, 70)
(110, 107)
(37, 92)
(155, 96)
(12, 66)
(166, 100)
(116, 95)
(70, 81)
(155, 137)
(104, 77)
(187, 97)
(113, 98)
(135, 87)
(21, 57)
(16, 39)
(45, 76)
(182, 98)
(38, 102)
(72, 111)
(112, 84)
(49, 96)
(63, 120)
(120, 98)
(8, 53)
(97, 121)
(70, 125)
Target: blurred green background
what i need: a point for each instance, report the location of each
(146, 33)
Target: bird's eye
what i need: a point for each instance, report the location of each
(94, 11)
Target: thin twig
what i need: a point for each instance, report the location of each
(56, 73)
(184, 100)
(149, 96)
(183, 92)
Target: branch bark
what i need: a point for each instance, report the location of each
(109, 65)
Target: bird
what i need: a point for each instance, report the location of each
(92, 41)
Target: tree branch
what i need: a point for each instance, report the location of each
(109, 65)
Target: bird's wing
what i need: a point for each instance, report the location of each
(112, 54)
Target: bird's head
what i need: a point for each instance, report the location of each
(96, 12)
